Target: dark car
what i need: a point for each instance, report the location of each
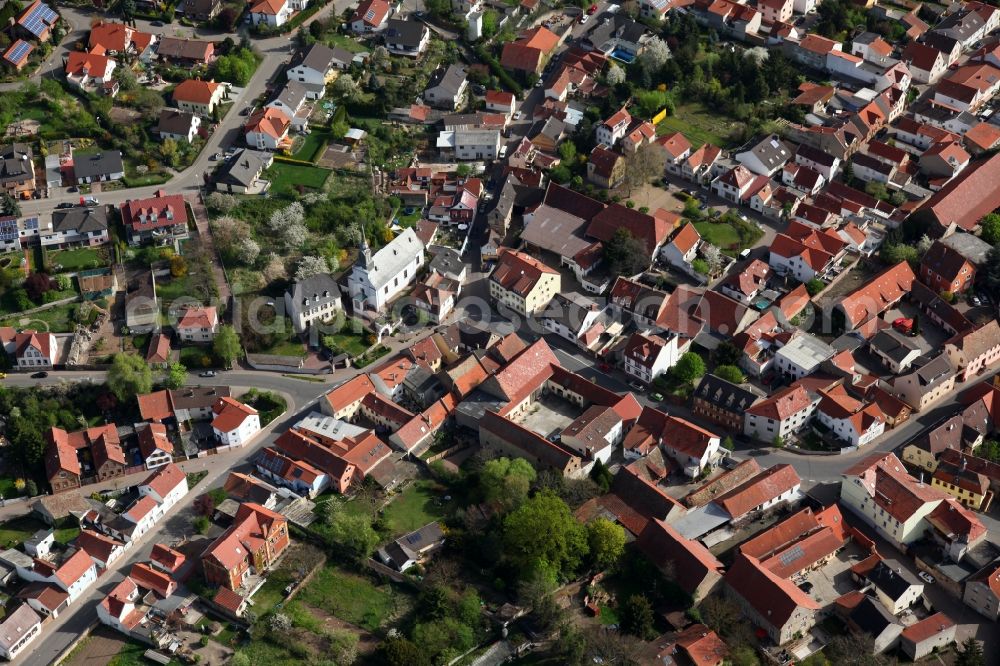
(73, 188)
(64, 205)
(40, 375)
(156, 24)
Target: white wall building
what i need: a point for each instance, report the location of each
(378, 278)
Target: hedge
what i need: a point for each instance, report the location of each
(501, 73)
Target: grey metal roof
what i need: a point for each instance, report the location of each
(387, 262)
(15, 163)
(174, 121)
(725, 395)
(447, 261)
(971, 247)
(321, 58)
(405, 33)
(892, 344)
(292, 95)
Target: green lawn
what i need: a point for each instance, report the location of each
(77, 259)
(57, 319)
(285, 177)
(350, 339)
(351, 597)
(310, 145)
(171, 289)
(19, 530)
(346, 43)
(290, 346)
(194, 357)
(699, 125)
(721, 235)
(416, 506)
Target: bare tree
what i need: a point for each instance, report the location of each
(643, 165)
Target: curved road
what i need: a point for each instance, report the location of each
(275, 51)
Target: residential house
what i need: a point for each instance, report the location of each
(975, 351)
(982, 591)
(370, 16)
(780, 415)
(102, 549)
(697, 571)
(178, 125)
(613, 128)
(243, 173)
(37, 21)
(235, 423)
(98, 167)
(647, 356)
(745, 285)
(855, 422)
(292, 101)
(929, 635)
(501, 435)
(530, 52)
(32, 350)
(701, 164)
(865, 616)
(965, 199)
(874, 298)
(734, 184)
(605, 168)
(682, 248)
(256, 539)
(522, 283)
(945, 269)
(17, 630)
(376, 279)
(774, 486)
(317, 66)
(317, 298)
(766, 157)
(154, 445)
(298, 475)
(184, 51)
(691, 446)
(199, 97)
(72, 576)
(118, 39)
(200, 10)
(273, 13)
(16, 55)
(408, 38)
(573, 317)
(198, 324)
(677, 149)
(17, 170)
(927, 64)
(895, 587)
(161, 219)
(968, 486)
(722, 402)
(501, 101)
(267, 129)
(928, 380)
(446, 88)
(413, 548)
(772, 603)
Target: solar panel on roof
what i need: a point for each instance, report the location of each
(31, 223)
(793, 554)
(40, 18)
(370, 14)
(18, 51)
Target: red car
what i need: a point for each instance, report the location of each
(592, 9)
(903, 325)
(604, 367)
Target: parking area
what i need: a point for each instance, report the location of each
(832, 580)
(549, 415)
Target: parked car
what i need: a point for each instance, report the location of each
(64, 205)
(975, 301)
(604, 367)
(926, 577)
(517, 115)
(656, 396)
(745, 254)
(903, 325)
(503, 151)
(156, 24)
(584, 18)
(40, 375)
(592, 9)
(207, 373)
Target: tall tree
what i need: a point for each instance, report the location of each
(542, 535)
(175, 376)
(643, 165)
(226, 345)
(625, 254)
(607, 542)
(129, 376)
(506, 481)
(971, 653)
(637, 617)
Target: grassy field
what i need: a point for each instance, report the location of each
(699, 125)
(77, 259)
(346, 43)
(57, 319)
(131, 655)
(310, 145)
(19, 530)
(194, 357)
(720, 235)
(285, 177)
(353, 598)
(416, 506)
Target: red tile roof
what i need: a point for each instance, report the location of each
(702, 645)
(195, 91)
(927, 628)
(199, 317)
(782, 405)
(155, 406)
(518, 272)
(97, 545)
(230, 414)
(765, 487)
(967, 197)
(875, 297)
(774, 598)
(153, 438)
(167, 557)
(270, 121)
(165, 479)
(74, 568)
(686, 437)
(371, 12)
(692, 562)
(228, 599)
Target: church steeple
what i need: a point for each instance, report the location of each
(365, 254)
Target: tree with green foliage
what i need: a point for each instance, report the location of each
(201, 524)
(893, 253)
(601, 475)
(991, 271)
(505, 482)
(400, 651)
(129, 376)
(730, 373)
(970, 653)
(9, 205)
(743, 655)
(636, 615)
(989, 228)
(814, 286)
(226, 345)
(567, 151)
(625, 255)
(607, 542)
(727, 354)
(688, 368)
(700, 266)
(561, 551)
(352, 532)
(174, 376)
(728, 444)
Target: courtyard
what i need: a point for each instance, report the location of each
(549, 415)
